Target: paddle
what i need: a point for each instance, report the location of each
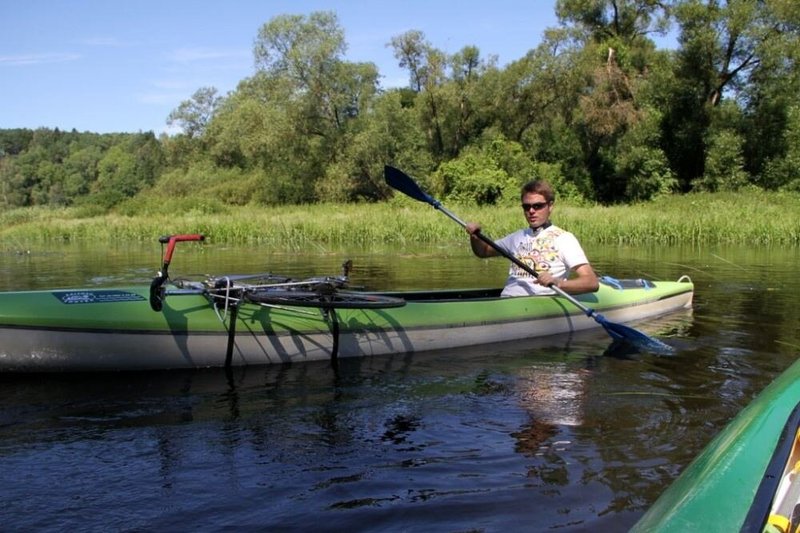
(399, 180)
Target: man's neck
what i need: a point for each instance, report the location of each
(542, 227)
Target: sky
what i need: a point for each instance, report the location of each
(108, 66)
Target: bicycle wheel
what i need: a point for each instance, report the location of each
(336, 300)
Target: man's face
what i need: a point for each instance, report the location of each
(536, 209)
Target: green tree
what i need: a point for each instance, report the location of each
(783, 171)
(11, 194)
(80, 171)
(388, 133)
(293, 119)
(126, 169)
(448, 93)
(613, 53)
(193, 115)
(741, 50)
(14, 141)
(601, 20)
(640, 163)
(770, 95)
(427, 70)
(724, 163)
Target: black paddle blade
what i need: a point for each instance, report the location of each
(633, 337)
(399, 180)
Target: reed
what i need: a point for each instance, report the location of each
(753, 218)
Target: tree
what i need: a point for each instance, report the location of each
(719, 43)
(388, 132)
(724, 163)
(295, 117)
(601, 21)
(14, 141)
(534, 90)
(194, 115)
(126, 169)
(306, 52)
(81, 170)
(640, 163)
(770, 95)
(612, 51)
(411, 50)
(448, 106)
(783, 171)
(427, 69)
(739, 50)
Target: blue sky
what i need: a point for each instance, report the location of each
(112, 66)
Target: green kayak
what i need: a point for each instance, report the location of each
(190, 327)
(267, 319)
(747, 478)
(116, 329)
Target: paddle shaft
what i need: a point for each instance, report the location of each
(513, 259)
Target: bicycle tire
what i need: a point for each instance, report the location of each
(337, 300)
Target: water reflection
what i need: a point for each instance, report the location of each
(554, 394)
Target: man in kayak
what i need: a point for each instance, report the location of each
(550, 251)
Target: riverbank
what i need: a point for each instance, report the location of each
(750, 217)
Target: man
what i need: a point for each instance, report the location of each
(549, 250)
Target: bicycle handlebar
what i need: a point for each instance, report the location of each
(172, 240)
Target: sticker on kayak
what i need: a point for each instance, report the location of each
(97, 297)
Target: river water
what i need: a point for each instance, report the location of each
(506, 437)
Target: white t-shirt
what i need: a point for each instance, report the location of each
(550, 249)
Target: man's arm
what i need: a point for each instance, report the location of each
(585, 280)
(479, 248)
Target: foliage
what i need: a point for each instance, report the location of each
(784, 172)
(640, 163)
(595, 107)
(194, 115)
(471, 178)
(723, 168)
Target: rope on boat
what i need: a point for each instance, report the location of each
(226, 297)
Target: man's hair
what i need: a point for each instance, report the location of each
(538, 187)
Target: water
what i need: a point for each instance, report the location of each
(508, 437)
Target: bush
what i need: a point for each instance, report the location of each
(472, 179)
(724, 168)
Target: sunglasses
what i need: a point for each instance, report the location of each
(536, 207)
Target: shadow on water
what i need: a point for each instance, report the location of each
(138, 397)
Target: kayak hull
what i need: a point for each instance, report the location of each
(116, 329)
(734, 484)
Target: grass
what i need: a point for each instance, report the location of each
(753, 218)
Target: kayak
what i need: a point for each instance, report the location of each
(193, 325)
(748, 477)
(239, 320)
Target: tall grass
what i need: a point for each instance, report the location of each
(754, 217)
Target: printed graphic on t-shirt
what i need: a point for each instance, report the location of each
(539, 253)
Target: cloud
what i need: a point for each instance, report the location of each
(36, 59)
